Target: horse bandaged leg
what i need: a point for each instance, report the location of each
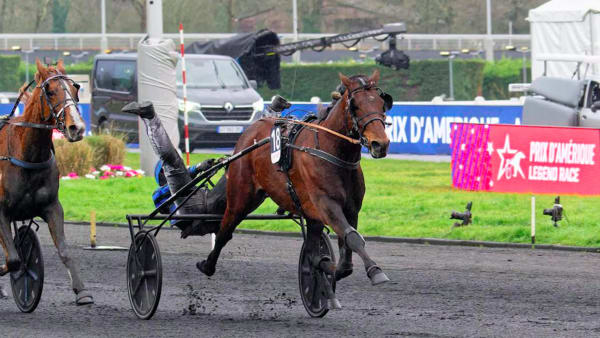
(344, 266)
(355, 242)
(13, 263)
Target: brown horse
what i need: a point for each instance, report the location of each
(28, 172)
(327, 193)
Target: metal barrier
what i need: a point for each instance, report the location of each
(91, 41)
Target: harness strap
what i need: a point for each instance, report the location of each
(29, 124)
(14, 108)
(294, 195)
(327, 157)
(30, 165)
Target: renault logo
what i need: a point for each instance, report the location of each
(228, 107)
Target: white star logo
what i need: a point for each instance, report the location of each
(509, 167)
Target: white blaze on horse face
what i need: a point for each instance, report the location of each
(71, 107)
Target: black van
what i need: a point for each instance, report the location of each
(221, 101)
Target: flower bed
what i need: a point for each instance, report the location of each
(107, 171)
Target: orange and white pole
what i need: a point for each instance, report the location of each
(185, 107)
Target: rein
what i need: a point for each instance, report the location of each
(320, 127)
(14, 108)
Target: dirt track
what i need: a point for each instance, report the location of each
(436, 291)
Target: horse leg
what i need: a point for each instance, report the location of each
(13, 262)
(352, 240)
(239, 205)
(345, 266)
(55, 219)
(225, 234)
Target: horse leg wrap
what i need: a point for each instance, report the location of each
(376, 275)
(354, 241)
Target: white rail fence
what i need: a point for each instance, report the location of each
(123, 41)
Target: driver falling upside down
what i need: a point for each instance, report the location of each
(171, 173)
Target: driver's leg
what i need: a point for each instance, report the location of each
(176, 173)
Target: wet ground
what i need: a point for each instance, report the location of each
(436, 291)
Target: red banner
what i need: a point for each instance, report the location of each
(509, 158)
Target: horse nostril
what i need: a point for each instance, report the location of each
(375, 145)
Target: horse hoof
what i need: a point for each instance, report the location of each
(340, 274)
(3, 293)
(84, 297)
(205, 270)
(379, 278)
(333, 304)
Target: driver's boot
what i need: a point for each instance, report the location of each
(278, 105)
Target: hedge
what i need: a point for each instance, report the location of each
(424, 80)
(12, 71)
(299, 82)
(498, 75)
(9, 76)
(78, 68)
(92, 152)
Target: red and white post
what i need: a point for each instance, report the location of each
(185, 107)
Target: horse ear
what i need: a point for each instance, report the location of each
(42, 72)
(375, 76)
(60, 66)
(344, 98)
(345, 80)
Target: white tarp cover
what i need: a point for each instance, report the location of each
(564, 27)
(156, 64)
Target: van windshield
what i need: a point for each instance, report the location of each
(204, 73)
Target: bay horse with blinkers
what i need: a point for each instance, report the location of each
(325, 174)
(29, 175)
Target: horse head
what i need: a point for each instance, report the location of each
(58, 98)
(367, 104)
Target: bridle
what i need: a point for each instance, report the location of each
(358, 129)
(68, 101)
(59, 116)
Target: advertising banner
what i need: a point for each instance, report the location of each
(424, 128)
(508, 158)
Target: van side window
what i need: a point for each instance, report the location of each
(115, 75)
(102, 78)
(594, 93)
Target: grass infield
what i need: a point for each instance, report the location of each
(404, 198)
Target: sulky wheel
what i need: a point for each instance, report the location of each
(314, 296)
(27, 283)
(144, 275)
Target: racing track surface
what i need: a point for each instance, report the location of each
(436, 291)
